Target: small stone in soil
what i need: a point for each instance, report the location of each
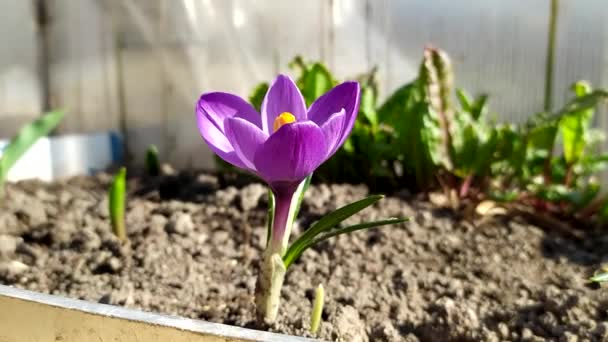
(8, 245)
(180, 223)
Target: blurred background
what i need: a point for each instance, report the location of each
(137, 67)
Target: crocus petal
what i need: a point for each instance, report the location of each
(332, 128)
(211, 111)
(245, 137)
(282, 96)
(291, 153)
(345, 95)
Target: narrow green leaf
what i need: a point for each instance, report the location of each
(26, 137)
(116, 201)
(331, 220)
(295, 251)
(599, 278)
(465, 99)
(479, 108)
(269, 216)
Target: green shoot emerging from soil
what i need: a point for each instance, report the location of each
(25, 139)
(600, 277)
(116, 201)
(317, 310)
(152, 161)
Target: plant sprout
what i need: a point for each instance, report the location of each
(283, 146)
(25, 139)
(317, 309)
(152, 161)
(600, 277)
(116, 202)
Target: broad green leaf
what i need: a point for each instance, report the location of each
(541, 136)
(574, 127)
(257, 95)
(591, 164)
(316, 82)
(296, 252)
(26, 137)
(368, 106)
(331, 220)
(403, 100)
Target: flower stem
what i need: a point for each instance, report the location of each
(268, 288)
(281, 225)
(272, 269)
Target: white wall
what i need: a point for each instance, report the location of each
(140, 65)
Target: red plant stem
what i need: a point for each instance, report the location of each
(569, 175)
(547, 169)
(466, 185)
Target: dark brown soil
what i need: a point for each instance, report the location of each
(194, 242)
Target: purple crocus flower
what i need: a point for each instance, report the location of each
(284, 144)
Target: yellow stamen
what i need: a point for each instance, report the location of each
(283, 119)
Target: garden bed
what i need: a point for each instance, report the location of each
(194, 241)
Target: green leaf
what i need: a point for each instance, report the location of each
(316, 82)
(585, 102)
(116, 202)
(504, 195)
(329, 221)
(257, 95)
(294, 254)
(582, 197)
(368, 106)
(152, 162)
(270, 216)
(542, 135)
(599, 278)
(574, 127)
(479, 108)
(26, 137)
(465, 99)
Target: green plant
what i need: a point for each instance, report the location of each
(152, 161)
(116, 202)
(283, 145)
(317, 309)
(25, 139)
(428, 134)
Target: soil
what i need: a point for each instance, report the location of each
(194, 242)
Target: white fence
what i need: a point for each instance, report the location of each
(138, 66)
